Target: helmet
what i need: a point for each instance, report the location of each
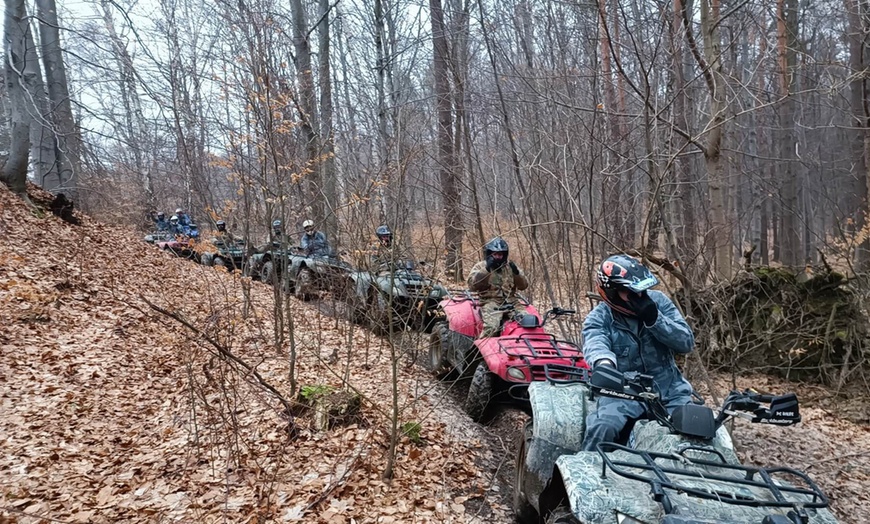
(495, 252)
(308, 224)
(277, 226)
(173, 219)
(161, 215)
(622, 273)
(221, 225)
(384, 235)
(179, 211)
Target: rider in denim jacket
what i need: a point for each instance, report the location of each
(634, 330)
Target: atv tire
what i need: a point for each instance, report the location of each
(267, 274)
(304, 286)
(479, 394)
(524, 512)
(219, 262)
(562, 515)
(207, 259)
(437, 363)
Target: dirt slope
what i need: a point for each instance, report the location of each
(111, 412)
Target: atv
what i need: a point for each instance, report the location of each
(159, 236)
(178, 245)
(395, 295)
(300, 274)
(229, 255)
(680, 468)
(502, 367)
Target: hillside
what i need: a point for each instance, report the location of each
(111, 411)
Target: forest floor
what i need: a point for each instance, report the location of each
(112, 411)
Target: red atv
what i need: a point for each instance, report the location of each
(500, 367)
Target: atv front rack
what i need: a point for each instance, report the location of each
(536, 349)
(763, 490)
(548, 347)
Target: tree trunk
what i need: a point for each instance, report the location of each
(328, 175)
(719, 236)
(787, 36)
(43, 148)
(446, 154)
(68, 141)
(17, 69)
(307, 106)
(858, 128)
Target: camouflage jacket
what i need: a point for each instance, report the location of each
(634, 347)
(499, 284)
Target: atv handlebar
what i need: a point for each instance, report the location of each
(780, 410)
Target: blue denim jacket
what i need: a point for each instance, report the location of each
(635, 347)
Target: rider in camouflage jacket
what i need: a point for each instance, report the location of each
(496, 279)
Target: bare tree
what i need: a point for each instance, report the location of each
(68, 141)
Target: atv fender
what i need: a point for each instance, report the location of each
(559, 423)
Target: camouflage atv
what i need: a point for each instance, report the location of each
(396, 294)
(229, 255)
(681, 468)
(159, 236)
(300, 274)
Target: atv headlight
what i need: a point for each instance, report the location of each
(516, 373)
(622, 518)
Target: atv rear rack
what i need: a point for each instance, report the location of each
(759, 479)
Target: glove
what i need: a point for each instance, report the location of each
(514, 268)
(606, 376)
(493, 264)
(645, 309)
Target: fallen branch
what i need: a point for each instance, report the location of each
(228, 355)
(838, 457)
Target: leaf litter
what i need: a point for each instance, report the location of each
(110, 412)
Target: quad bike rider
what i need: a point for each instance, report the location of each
(500, 358)
(633, 329)
(496, 280)
(230, 251)
(162, 233)
(177, 240)
(314, 243)
(388, 292)
(681, 467)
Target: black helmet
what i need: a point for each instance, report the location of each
(221, 225)
(495, 252)
(161, 215)
(384, 235)
(622, 273)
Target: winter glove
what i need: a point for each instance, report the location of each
(494, 265)
(514, 268)
(645, 309)
(606, 376)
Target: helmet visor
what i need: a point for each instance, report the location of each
(640, 286)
